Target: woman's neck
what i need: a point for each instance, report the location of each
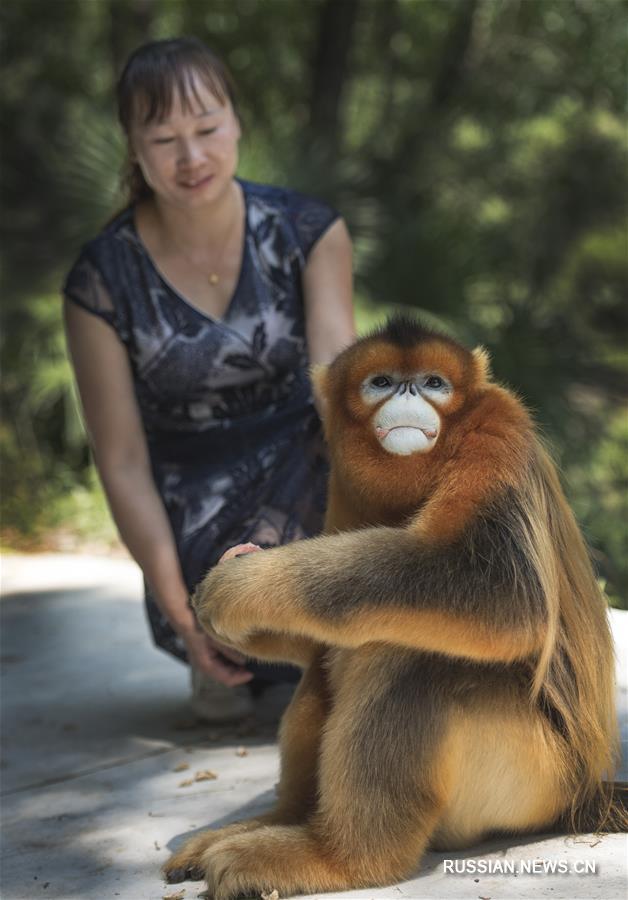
(195, 229)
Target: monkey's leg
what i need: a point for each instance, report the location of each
(378, 801)
(300, 735)
(510, 771)
(299, 741)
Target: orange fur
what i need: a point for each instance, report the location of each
(459, 668)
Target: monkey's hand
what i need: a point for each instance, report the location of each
(231, 553)
(231, 602)
(219, 595)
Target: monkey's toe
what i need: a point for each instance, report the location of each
(175, 876)
(183, 873)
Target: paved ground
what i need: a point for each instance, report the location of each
(95, 725)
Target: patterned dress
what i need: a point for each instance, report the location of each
(235, 442)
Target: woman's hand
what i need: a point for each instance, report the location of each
(214, 659)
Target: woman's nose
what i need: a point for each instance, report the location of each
(190, 152)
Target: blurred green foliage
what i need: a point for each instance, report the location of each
(477, 149)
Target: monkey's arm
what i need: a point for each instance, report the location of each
(478, 597)
(280, 647)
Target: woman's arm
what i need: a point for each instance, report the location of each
(117, 437)
(328, 291)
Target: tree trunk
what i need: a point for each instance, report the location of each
(330, 68)
(454, 56)
(449, 79)
(130, 24)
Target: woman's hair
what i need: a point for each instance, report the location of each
(154, 74)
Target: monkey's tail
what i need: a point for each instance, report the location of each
(606, 811)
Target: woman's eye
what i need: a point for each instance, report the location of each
(164, 140)
(207, 131)
(380, 381)
(434, 381)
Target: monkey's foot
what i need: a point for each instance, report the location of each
(187, 863)
(285, 858)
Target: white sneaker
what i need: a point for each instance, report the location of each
(215, 702)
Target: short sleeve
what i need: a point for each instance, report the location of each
(310, 219)
(84, 285)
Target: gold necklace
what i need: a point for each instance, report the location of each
(213, 277)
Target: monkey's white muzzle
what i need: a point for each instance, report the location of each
(407, 424)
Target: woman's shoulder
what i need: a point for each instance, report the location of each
(101, 267)
(119, 231)
(109, 251)
(281, 197)
(307, 217)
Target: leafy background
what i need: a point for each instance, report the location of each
(477, 149)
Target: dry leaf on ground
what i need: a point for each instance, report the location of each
(206, 775)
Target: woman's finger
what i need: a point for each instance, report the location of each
(234, 655)
(225, 672)
(238, 550)
(206, 657)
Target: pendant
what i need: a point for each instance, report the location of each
(213, 278)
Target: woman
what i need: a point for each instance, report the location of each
(191, 320)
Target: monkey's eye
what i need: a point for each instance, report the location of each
(435, 382)
(381, 381)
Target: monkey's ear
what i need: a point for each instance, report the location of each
(319, 379)
(482, 364)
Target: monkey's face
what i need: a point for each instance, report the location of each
(406, 408)
(388, 402)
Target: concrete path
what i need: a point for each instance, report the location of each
(99, 742)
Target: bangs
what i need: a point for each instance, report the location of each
(152, 102)
(163, 71)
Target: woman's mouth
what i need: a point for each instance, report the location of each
(193, 184)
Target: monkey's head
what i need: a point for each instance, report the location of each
(390, 399)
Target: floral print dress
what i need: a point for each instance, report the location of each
(235, 442)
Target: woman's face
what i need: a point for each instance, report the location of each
(189, 158)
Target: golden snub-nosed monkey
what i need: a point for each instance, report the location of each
(458, 667)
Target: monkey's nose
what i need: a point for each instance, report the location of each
(407, 387)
